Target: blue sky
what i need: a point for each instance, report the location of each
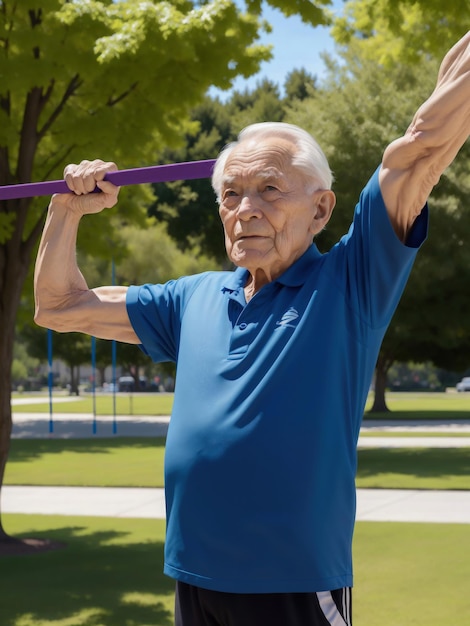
(295, 45)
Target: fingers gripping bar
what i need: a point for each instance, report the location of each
(137, 176)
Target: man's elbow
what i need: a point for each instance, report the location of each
(52, 320)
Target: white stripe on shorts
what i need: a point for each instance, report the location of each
(347, 605)
(329, 608)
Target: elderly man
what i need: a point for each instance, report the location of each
(274, 359)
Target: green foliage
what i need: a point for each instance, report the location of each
(407, 31)
(153, 256)
(299, 84)
(189, 207)
(356, 114)
(24, 365)
(6, 226)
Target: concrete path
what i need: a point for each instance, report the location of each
(84, 425)
(373, 505)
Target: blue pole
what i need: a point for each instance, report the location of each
(50, 379)
(113, 348)
(113, 356)
(93, 376)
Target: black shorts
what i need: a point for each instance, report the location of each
(195, 606)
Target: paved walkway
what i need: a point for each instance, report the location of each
(372, 504)
(84, 425)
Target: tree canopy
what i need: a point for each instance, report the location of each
(357, 113)
(407, 31)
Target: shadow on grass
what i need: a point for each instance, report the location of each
(29, 449)
(96, 580)
(428, 415)
(414, 462)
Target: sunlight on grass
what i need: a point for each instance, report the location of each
(114, 462)
(144, 599)
(423, 405)
(90, 617)
(403, 572)
(109, 574)
(126, 404)
(138, 462)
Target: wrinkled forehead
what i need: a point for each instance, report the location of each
(269, 157)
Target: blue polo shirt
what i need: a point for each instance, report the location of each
(261, 449)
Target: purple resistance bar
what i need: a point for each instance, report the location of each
(153, 174)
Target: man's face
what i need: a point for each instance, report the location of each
(268, 215)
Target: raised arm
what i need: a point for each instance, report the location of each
(63, 300)
(413, 164)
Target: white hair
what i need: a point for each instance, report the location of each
(309, 157)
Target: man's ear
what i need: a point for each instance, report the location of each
(324, 203)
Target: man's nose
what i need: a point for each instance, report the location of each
(249, 207)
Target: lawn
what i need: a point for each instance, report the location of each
(414, 468)
(423, 406)
(100, 462)
(138, 462)
(109, 574)
(126, 404)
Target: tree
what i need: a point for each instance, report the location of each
(73, 349)
(189, 207)
(408, 33)
(299, 84)
(25, 367)
(357, 113)
(108, 78)
(405, 31)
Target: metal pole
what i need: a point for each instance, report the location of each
(50, 379)
(113, 355)
(93, 377)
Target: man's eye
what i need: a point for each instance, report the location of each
(230, 193)
(270, 188)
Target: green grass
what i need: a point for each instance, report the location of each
(126, 404)
(113, 462)
(411, 574)
(423, 406)
(414, 468)
(138, 462)
(109, 574)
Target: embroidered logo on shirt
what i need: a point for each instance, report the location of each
(288, 318)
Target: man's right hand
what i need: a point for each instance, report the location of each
(82, 179)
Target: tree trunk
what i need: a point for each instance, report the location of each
(381, 370)
(9, 303)
(74, 379)
(5, 411)
(15, 258)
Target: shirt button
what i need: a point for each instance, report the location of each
(243, 326)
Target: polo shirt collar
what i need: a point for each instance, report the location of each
(294, 276)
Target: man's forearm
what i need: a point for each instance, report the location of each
(57, 278)
(413, 164)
